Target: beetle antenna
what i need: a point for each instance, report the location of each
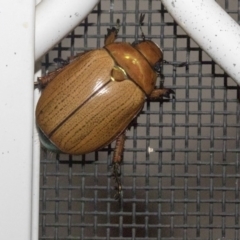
(141, 22)
(118, 25)
(112, 33)
(159, 66)
(181, 64)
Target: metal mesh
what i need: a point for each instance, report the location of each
(188, 187)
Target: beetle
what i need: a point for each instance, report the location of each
(91, 101)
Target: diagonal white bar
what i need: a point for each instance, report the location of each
(55, 19)
(16, 106)
(19, 178)
(212, 29)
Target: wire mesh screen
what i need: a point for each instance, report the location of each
(181, 167)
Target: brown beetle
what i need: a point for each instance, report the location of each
(91, 101)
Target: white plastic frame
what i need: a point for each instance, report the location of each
(19, 165)
(19, 175)
(212, 29)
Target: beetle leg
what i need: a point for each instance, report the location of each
(159, 93)
(112, 34)
(43, 81)
(116, 161)
(61, 62)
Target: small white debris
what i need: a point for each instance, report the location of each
(150, 150)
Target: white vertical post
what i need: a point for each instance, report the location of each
(19, 178)
(35, 167)
(54, 20)
(16, 107)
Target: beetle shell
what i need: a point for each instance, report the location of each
(82, 109)
(136, 66)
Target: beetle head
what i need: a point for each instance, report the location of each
(151, 51)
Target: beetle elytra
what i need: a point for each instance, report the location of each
(91, 101)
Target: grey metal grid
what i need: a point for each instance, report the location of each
(188, 188)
